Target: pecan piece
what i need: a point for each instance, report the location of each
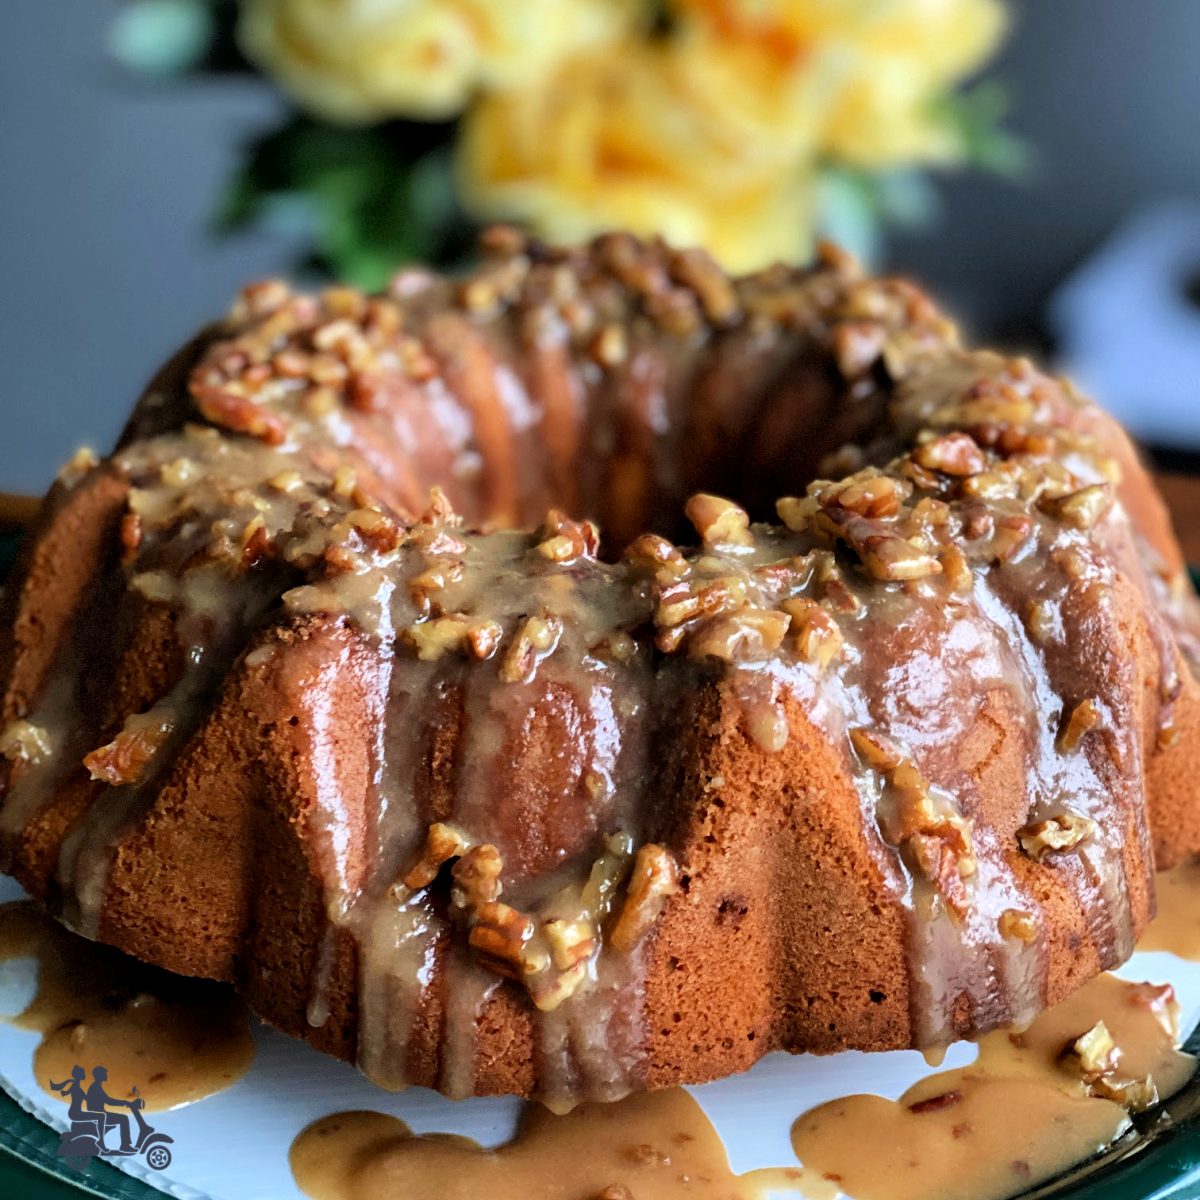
(1084, 717)
(239, 414)
(719, 522)
(536, 640)
(442, 843)
(1018, 924)
(936, 1103)
(563, 540)
(655, 877)
(816, 634)
(746, 635)
(476, 877)
(571, 942)
(952, 454)
(1055, 835)
(435, 638)
(1093, 1055)
(656, 553)
(549, 989)
(500, 935)
(377, 529)
(1081, 509)
(125, 758)
(24, 741)
(131, 537)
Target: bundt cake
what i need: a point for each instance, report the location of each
(324, 683)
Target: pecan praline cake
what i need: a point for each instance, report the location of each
(326, 683)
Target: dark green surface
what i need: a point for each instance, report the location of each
(30, 1168)
(1162, 1162)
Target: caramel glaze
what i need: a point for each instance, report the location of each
(174, 1041)
(1032, 1105)
(656, 1144)
(1176, 926)
(499, 811)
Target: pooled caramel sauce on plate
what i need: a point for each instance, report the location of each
(176, 1040)
(1176, 928)
(1028, 1108)
(1024, 1111)
(658, 1145)
(1033, 1104)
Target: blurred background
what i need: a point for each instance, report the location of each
(1069, 223)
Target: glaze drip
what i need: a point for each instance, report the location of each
(388, 498)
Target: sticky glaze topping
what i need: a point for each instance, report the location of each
(365, 459)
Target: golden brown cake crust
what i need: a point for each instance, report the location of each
(498, 813)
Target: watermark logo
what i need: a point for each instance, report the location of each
(97, 1132)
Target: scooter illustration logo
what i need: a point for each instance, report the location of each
(92, 1124)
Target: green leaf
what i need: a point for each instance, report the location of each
(975, 118)
(161, 37)
(373, 198)
(847, 213)
(854, 207)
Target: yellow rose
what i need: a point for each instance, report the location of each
(875, 67)
(622, 141)
(903, 64)
(357, 61)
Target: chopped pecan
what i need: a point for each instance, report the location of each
(745, 635)
(255, 542)
(695, 269)
(1084, 717)
(877, 751)
(952, 454)
(936, 1103)
(1136, 1095)
(1094, 1054)
(957, 569)
(549, 989)
(434, 638)
(499, 935)
(442, 843)
(563, 540)
(483, 638)
(439, 510)
(895, 558)
(239, 414)
(286, 481)
(125, 758)
(571, 942)
(719, 522)
(617, 647)
(609, 347)
(535, 640)
(377, 529)
(476, 877)
(23, 740)
(816, 634)
(857, 346)
(1084, 508)
(797, 512)
(77, 466)
(131, 537)
(1018, 924)
(1011, 534)
(655, 877)
(654, 552)
(1055, 835)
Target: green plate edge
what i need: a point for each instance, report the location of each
(31, 1169)
(1158, 1160)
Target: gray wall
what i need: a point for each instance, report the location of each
(105, 187)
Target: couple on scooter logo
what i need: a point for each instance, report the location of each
(91, 1122)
